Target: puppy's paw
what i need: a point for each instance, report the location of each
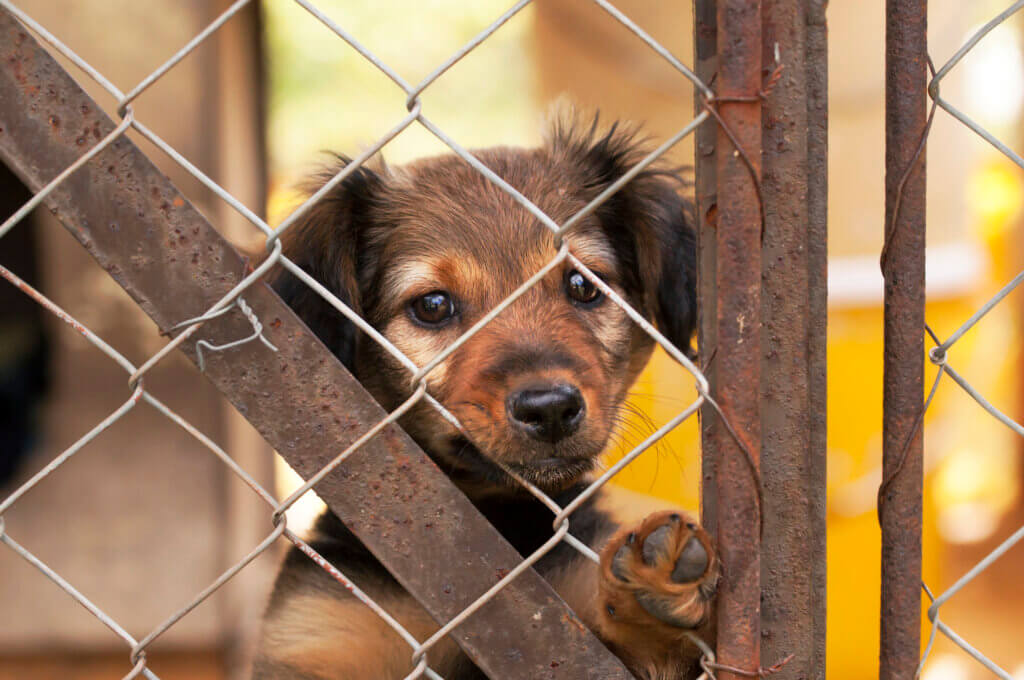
(662, 573)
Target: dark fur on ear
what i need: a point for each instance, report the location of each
(647, 221)
(328, 243)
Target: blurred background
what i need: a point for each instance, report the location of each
(143, 518)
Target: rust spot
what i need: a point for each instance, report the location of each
(178, 201)
(711, 216)
(574, 622)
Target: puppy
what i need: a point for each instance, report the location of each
(422, 252)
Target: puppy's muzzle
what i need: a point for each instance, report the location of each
(547, 413)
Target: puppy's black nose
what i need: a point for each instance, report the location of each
(548, 413)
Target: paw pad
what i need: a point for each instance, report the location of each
(692, 562)
(665, 567)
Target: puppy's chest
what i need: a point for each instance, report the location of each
(527, 525)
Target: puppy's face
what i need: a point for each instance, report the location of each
(425, 251)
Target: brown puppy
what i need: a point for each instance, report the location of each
(422, 252)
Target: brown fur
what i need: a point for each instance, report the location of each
(385, 238)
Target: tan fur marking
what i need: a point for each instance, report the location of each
(595, 253)
(336, 639)
(411, 277)
(419, 344)
(629, 507)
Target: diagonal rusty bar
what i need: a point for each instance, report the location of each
(158, 247)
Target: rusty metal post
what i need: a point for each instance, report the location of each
(705, 48)
(736, 354)
(903, 269)
(794, 312)
(816, 66)
(174, 264)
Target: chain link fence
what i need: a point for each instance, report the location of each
(941, 354)
(242, 303)
(220, 355)
(941, 357)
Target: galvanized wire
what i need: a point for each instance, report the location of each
(419, 375)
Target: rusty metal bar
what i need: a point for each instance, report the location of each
(816, 66)
(705, 185)
(738, 335)
(151, 240)
(903, 258)
(794, 313)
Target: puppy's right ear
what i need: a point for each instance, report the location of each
(329, 244)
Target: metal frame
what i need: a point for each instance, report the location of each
(761, 201)
(794, 280)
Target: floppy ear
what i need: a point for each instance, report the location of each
(672, 248)
(647, 221)
(329, 244)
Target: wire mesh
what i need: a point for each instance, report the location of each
(420, 375)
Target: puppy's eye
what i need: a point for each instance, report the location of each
(580, 289)
(434, 308)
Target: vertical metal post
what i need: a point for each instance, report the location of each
(816, 66)
(705, 48)
(903, 269)
(737, 334)
(794, 313)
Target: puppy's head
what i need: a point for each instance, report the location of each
(424, 251)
